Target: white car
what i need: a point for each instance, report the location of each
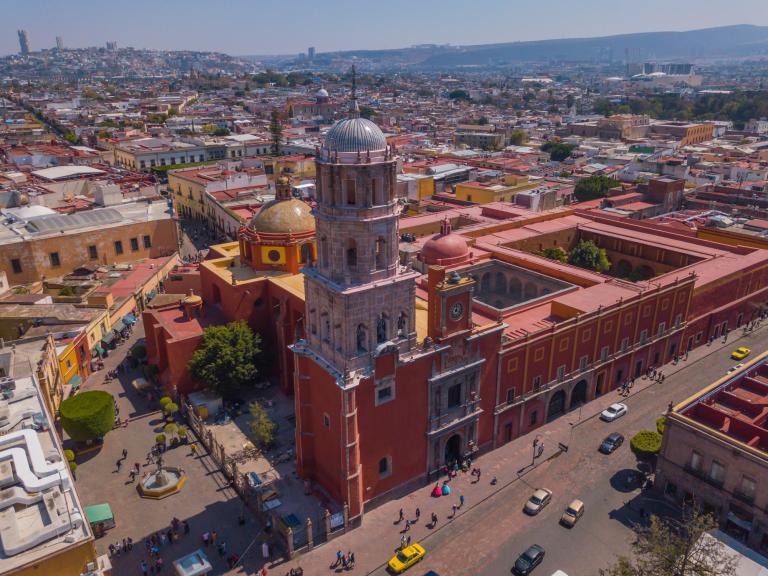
(538, 501)
(613, 411)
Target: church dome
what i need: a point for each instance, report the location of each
(322, 93)
(355, 135)
(444, 247)
(290, 216)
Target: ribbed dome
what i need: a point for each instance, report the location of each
(355, 135)
(441, 247)
(322, 93)
(283, 217)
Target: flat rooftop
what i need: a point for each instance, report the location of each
(40, 514)
(736, 406)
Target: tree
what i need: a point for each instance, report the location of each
(587, 255)
(671, 548)
(661, 424)
(170, 409)
(367, 112)
(570, 100)
(554, 253)
(225, 360)
(594, 187)
(483, 121)
(261, 425)
(518, 137)
(171, 429)
(88, 415)
(67, 291)
(276, 130)
(646, 443)
(459, 95)
(558, 151)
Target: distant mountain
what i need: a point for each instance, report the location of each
(724, 41)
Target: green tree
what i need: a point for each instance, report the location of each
(225, 360)
(587, 255)
(261, 425)
(661, 424)
(67, 291)
(276, 132)
(558, 151)
(671, 548)
(518, 137)
(459, 95)
(367, 112)
(594, 187)
(88, 415)
(646, 443)
(570, 100)
(170, 409)
(554, 253)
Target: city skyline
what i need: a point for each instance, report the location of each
(396, 24)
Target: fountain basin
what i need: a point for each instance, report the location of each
(162, 483)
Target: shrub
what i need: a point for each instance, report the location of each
(661, 424)
(88, 415)
(182, 431)
(165, 400)
(160, 439)
(646, 443)
(67, 291)
(171, 428)
(72, 466)
(69, 455)
(170, 408)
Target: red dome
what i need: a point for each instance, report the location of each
(444, 248)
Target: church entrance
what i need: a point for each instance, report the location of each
(453, 449)
(579, 394)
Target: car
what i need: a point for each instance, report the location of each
(611, 443)
(740, 353)
(406, 558)
(538, 501)
(613, 411)
(528, 560)
(573, 512)
(737, 367)
(431, 573)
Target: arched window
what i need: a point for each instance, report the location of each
(381, 328)
(381, 253)
(351, 187)
(324, 251)
(306, 253)
(351, 253)
(402, 324)
(385, 467)
(362, 338)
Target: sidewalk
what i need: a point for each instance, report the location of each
(375, 541)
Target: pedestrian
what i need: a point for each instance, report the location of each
(111, 549)
(118, 464)
(351, 559)
(478, 474)
(434, 519)
(186, 526)
(163, 538)
(125, 453)
(206, 537)
(137, 467)
(407, 526)
(130, 543)
(344, 561)
(339, 555)
(214, 536)
(125, 544)
(400, 518)
(159, 564)
(454, 510)
(132, 475)
(461, 501)
(222, 549)
(144, 567)
(408, 541)
(169, 535)
(265, 551)
(402, 542)
(418, 513)
(147, 543)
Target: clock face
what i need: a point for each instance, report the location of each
(457, 310)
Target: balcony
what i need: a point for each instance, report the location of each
(455, 415)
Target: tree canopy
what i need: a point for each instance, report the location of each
(518, 137)
(458, 95)
(554, 253)
(225, 360)
(558, 151)
(88, 415)
(261, 425)
(587, 255)
(670, 548)
(594, 187)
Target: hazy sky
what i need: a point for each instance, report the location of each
(290, 26)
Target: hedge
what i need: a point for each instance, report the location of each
(88, 415)
(661, 424)
(646, 443)
(69, 455)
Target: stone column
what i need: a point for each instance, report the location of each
(310, 536)
(289, 542)
(327, 524)
(346, 516)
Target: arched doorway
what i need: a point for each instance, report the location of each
(556, 405)
(453, 449)
(579, 394)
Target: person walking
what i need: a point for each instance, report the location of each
(400, 517)
(214, 536)
(402, 542)
(408, 541)
(351, 559)
(118, 464)
(434, 519)
(144, 567)
(125, 453)
(339, 555)
(206, 538)
(418, 513)
(478, 474)
(453, 506)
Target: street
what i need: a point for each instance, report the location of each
(487, 539)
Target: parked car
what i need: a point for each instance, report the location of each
(613, 412)
(406, 558)
(538, 501)
(611, 443)
(740, 353)
(573, 512)
(528, 560)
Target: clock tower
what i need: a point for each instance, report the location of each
(450, 303)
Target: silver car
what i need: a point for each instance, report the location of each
(538, 501)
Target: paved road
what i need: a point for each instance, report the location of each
(487, 539)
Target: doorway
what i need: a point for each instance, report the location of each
(453, 449)
(556, 405)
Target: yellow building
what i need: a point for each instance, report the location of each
(503, 190)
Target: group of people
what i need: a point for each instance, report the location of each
(346, 561)
(118, 547)
(155, 542)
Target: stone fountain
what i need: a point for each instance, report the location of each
(162, 482)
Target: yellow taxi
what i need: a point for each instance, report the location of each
(406, 558)
(740, 353)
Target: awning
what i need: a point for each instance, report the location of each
(99, 513)
(75, 381)
(741, 523)
(119, 326)
(129, 319)
(108, 338)
(97, 351)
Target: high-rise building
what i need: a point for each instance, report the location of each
(112, 45)
(23, 42)
(311, 52)
(59, 43)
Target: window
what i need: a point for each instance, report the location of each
(510, 395)
(679, 320)
(16, 265)
(385, 391)
(662, 327)
(134, 244)
(147, 241)
(583, 363)
(118, 247)
(327, 421)
(643, 336)
(143, 164)
(717, 472)
(747, 488)
(624, 344)
(532, 418)
(152, 163)
(604, 353)
(537, 383)
(351, 253)
(695, 461)
(93, 253)
(385, 467)
(454, 396)
(55, 260)
(351, 192)
(561, 373)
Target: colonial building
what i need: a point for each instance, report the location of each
(715, 453)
